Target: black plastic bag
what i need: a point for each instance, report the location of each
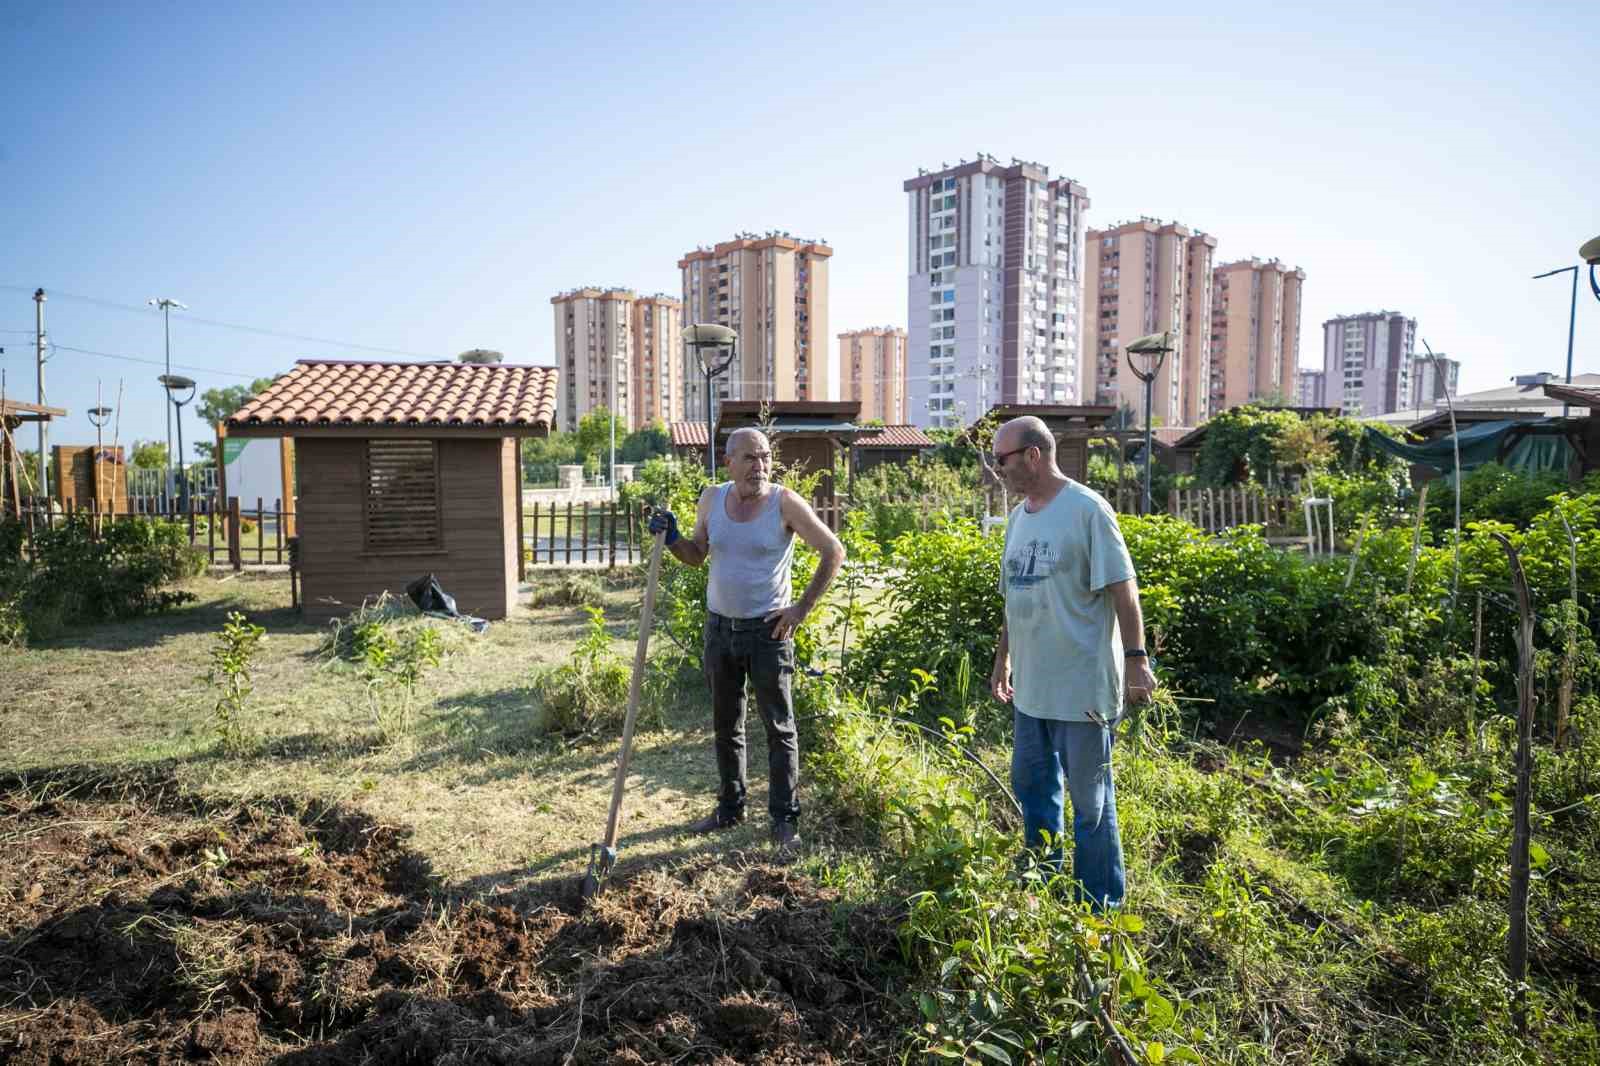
(431, 598)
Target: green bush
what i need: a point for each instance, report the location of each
(922, 493)
(589, 692)
(943, 615)
(1495, 493)
(77, 575)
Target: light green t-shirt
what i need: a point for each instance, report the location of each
(1066, 652)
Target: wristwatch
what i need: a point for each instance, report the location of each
(1136, 653)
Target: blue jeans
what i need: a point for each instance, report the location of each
(1045, 748)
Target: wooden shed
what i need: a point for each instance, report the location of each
(406, 469)
(1071, 424)
(804, 431)
(888, 445)
(84, 476)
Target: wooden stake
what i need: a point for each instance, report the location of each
(1416, 535)
(1521, 833)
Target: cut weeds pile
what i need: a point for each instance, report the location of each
(142, 924)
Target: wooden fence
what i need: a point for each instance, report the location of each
(231, 536)
(1214, 510)
(581, 534)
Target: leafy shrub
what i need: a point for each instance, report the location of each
(232, 656)
(589, 691)
(568, 589)
(392, 663)
(943, 615)
(1493, 492)
(78, 575)
(923, 493)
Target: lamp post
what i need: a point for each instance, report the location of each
(708, 337)
(1590, 254)
(1572, 312)
(616, 361)
(166, 303)
(175, 384)
(1152, 352)
(99, 416)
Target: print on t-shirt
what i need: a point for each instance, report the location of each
(1030, 564)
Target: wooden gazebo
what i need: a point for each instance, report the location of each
(15, 483)
(406, 469)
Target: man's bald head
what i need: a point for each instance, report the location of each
(1028, 431)
(746, 437)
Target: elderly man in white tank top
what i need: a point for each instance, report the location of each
(746, 528)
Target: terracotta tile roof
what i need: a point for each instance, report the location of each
(896, 437)
(339, 393)
(687, 434)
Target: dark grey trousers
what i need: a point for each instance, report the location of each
(737, 649)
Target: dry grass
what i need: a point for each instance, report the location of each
(494, 803)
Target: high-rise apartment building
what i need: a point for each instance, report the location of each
(996, 268)
(594, 347)
(773, 291)
(1140, 278)
(872, 369)
(601, 332)
(1367, 359)
(1430, 384)
(1311, 388)
(1255, 332)
(657, 362)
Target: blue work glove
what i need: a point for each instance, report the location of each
(665, 520)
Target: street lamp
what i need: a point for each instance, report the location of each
(99, 416)
(1590, 253)
(175, 384)
(1572, 313)
(166, 303)
(616, 361)
(706, 338)
(1152, 352)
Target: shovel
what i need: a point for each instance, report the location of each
(603, 856)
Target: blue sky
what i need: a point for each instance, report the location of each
(423, 178)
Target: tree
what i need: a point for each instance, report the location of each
(218, 404)
(594, 435)
(148, 455)
(645, 443)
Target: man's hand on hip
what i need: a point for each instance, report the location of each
(1138, 680)
(1000, 682)
(785, 620)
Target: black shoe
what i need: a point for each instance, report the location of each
(785, 835)
(717, 819)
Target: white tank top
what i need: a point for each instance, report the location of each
(749, 560)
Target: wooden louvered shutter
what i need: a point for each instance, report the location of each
(402, 505)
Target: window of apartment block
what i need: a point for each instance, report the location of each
(402, 497)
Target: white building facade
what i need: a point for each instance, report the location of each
(995, 289)
(1367, 362)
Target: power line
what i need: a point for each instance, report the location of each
(153, 362)
(263, 331)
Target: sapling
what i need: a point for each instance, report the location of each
(231, 658)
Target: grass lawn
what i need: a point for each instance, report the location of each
(494, 805)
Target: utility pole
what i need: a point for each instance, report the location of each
(167, 304)
(38, 350)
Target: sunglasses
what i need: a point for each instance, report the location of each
(999, 458)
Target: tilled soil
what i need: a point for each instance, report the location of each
(138, 924)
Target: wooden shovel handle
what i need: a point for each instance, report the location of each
(645, 619)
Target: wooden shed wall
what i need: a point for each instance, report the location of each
(338, 573)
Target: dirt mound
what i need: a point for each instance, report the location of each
(141, 925)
